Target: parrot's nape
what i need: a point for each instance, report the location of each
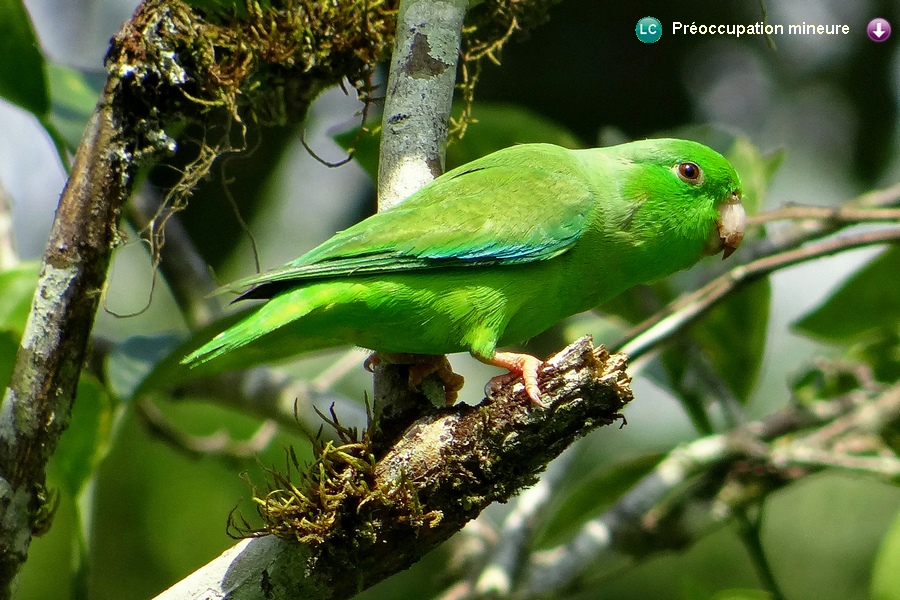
(493, 253)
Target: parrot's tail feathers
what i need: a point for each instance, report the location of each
(268, 318)
(216, 347)
(225, 342)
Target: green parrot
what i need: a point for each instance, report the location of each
(492, 253)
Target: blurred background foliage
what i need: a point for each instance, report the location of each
(138, 514)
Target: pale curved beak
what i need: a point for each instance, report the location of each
(730, 227)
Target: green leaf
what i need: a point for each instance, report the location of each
(499, 126)
(86, 441)
(601, 327)
(9, 346)
(732, 339)
(867, 302)
(496, 126)
(168, 372)
(740, 594)
(694, 591)
(679, 361)
(16, 291)
(211, 224)
(134, 358)
(23, 78)
(885, 574)
(733, 336)
(691, 589)
(881, 352)
(637, 303)
(74, 96)
(755, 170)
(364, 145)
(819, 383)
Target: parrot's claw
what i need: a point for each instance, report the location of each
(372, 361)
(523, 365)
(495, 384)
(420, 367)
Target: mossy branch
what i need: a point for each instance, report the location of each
(355, 518)
(37, 404)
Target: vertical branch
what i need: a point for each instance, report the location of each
(419, 96)
(417, 110)
(36, 407)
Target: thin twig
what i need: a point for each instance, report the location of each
(750, 528)
(179, 261)
(277, 396)
(195, 446)
(497, 577)
(839, 214)
(807, 230)
(687, 308)
(886, 468)
(822, 447)
(767, 454)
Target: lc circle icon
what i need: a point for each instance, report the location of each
(648, 30)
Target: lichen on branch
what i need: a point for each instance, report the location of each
(177, 64)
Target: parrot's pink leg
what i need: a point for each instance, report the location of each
(420, 367)
(523, 365)
(372, 361)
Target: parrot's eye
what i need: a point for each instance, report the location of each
(689, 172)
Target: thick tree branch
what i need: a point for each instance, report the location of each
(442, 471)
(37, 405)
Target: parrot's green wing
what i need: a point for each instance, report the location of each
(519, 205)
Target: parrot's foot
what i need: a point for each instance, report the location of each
(523, 365)
(420, 367)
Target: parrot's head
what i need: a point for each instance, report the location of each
(694, 191)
